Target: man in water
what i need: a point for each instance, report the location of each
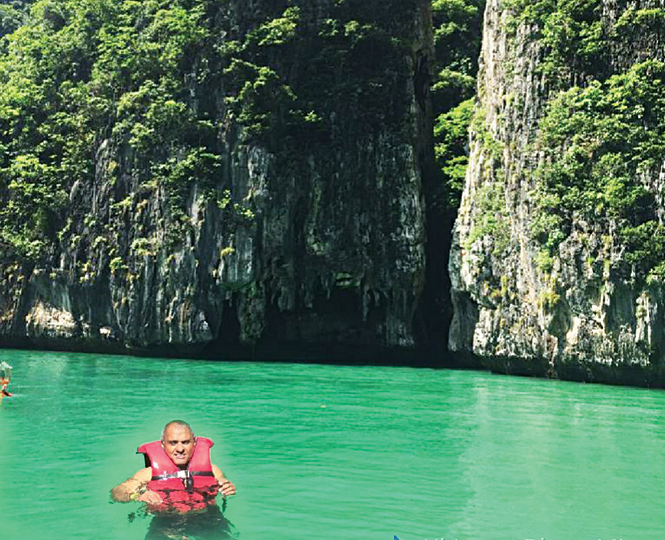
(179, 486)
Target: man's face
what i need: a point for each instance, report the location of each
(179, 444)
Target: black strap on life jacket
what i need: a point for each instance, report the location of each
(186, 476)
(182, 474)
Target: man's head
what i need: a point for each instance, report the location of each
(178, 442)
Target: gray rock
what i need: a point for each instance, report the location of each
(583, 318)
(323, 251)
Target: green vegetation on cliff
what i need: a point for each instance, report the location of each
(94, 89)
(79, 73)
(457, 37)
(572, 32)
(603, 144)
(602, 133)
(12, 15)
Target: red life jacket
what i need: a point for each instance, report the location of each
(181, 490)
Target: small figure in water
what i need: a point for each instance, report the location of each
(179, 486)
(5, 379)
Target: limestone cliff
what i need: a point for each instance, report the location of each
(562, 289)
(309, 236)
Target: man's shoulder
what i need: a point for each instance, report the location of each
(217, 471)
(144, 475)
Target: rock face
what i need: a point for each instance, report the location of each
(318, 247)
(586, 315)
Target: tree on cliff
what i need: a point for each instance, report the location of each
(457, 37)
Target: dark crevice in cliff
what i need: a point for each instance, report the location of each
(434, 312)
(18, 322)
(229, 329)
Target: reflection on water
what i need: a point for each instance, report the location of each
(209, 525)
(332, 451)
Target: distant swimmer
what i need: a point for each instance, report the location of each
(4, 390)
(179, 486)
(5, 379)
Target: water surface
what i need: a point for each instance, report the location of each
(335, 452)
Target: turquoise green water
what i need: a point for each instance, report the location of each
(330, 452)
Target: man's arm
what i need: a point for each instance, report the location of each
(134, 489)
(226, 487)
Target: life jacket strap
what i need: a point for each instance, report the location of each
(182, 474)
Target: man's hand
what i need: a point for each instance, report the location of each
(132, 488)
(226, 487)
(150, 498)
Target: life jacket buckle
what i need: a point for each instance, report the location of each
(187, 480)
